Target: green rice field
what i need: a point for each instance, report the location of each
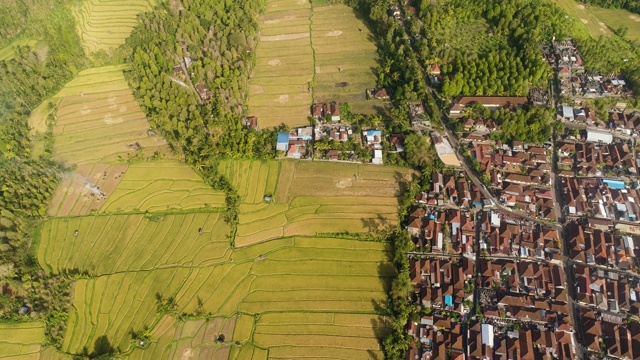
(105, 24)
(8, 52)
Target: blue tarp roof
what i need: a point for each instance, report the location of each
(448, 300)
(614, 184)
(283, 137)
(374, 132)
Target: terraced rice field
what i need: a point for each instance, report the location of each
(195, 339)
(279, 85)
(134, 242)
(162, 186)
(98, 120)
(341, 280)
(20, 341)
(311, 198)
(344, 56)
(105, 24)
(80, 191)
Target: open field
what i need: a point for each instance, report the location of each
(616, 18)
(344, 280)
(162, 186)
(336, 336)
(105, 24)
(344, 55)
(8, 52)
(21, 340)
(311, 198)
(98, 120)
(79, 191)
(106, 309)
(279, 85)
(195, 339)
(581, 13)
(110, 244)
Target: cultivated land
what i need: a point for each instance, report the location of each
(583, 14)
(300, 47)
(98, 120)
(279, 85)
(342, 42)
(616, 18)
(196, 339)
(21, 340)
(105, 24)
(162, 186)
(270, 292)
(310, 198)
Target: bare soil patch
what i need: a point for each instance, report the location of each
(334, 33)
(274, 62)
(283, 99)
(584, 21)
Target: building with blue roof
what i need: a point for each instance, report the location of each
(282, 143)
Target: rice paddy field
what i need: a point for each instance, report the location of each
(279, 86)
(8, 52)
(195, 339)
(616, 18)
(311, 198)
(162, 186)
(314, 293)
(133, 242)
(579, 12)
(344, 56)
(325, 48)
(98, 120)
(21, 340)
(105, 24)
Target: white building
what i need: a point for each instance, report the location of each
(603, 136)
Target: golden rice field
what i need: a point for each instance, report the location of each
(194, 339)
(344, 280)
(344, 56)
(311, 198)
(133, 242)
(21, 340)
(105, 24)
(98, 120)
(279, 86)
(162, 186)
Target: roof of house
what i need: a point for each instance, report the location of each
(283, 137)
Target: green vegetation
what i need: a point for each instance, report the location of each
(624, 23)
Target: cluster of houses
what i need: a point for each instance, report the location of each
(519, 173)
(450, 189)
(595, 159)
(492, 103)
(564, 57)
(607, 286)
(296, 143)
(601, 198)
(446, 231)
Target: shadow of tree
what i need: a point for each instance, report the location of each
(102, 348)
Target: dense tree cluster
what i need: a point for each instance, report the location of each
(214, 42)
(488, 47)
(26, 185)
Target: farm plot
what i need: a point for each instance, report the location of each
(279, 86)
(582, 14)
(21, 340)
(107, 309)
(85, 189)
(98, 120)
(251, 179)
(162, 186)
(105, 24)
(110, 244)
(8, 52)
(312, 198)
(195, 339)
(344, 55)
(616, 18)
(338, 336)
